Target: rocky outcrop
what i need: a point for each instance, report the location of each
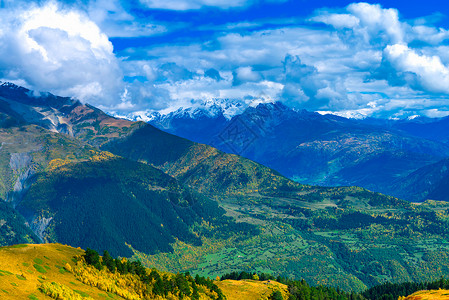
(23, 166)
(20, 161)
(39, 224)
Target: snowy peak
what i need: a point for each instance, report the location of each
(209, 109)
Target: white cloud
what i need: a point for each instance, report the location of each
(367, 61)
(420, 71)
(245, 74)
(338, 20)
(376, 20)
(429, 35)
(58, 50)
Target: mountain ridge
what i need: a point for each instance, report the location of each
(241, 215)
(315, 149)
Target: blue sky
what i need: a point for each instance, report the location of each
(386, 59)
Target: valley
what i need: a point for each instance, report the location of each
(181, 206)
(224, 150)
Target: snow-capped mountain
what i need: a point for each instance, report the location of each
(308, 146)
(210, 108)
(199, 122)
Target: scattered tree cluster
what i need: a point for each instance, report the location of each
(300, 290)
(181, 285)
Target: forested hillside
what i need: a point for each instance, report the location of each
(182, 206)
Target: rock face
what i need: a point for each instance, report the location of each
(39, 224)
(20, 161)
(45, 110)
(23, 167)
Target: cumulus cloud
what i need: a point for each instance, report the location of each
(366, 61)
(420, 71)
(403, 59)
(245, 74)
(301, 84)
(60, 51)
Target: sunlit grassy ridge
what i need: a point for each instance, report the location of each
(428, 295)
(251, 289)
(24, 268)
(55, 271)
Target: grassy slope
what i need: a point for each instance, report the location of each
(19, 275)
(95, 127)
(23, 268)
(251, 289)
(429, 295)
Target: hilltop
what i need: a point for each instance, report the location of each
(24, 267)
(55, 271)
(428, 295)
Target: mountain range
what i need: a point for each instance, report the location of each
(73, 174)
(320, 149)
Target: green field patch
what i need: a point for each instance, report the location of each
(62, 271)
(47, 267)
(83, 294)
(13, 284)
(20, 277)
(18, 246)
(25, 264)
(5, 291)
(33, 297)
(46, 257)
(71, 282)
(30, 271)
(40, 269)
(5, 273)
(38, 261)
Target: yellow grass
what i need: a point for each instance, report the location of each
(21, 270)
(250, 289)
(429, 295)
